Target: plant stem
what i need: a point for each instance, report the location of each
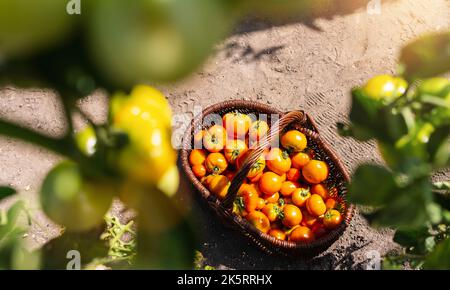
(60, 146)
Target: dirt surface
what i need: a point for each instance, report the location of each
(284, 66)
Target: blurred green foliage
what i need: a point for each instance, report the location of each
(412, 132)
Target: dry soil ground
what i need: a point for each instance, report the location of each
(284, 66)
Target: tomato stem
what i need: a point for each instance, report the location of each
(15, 131)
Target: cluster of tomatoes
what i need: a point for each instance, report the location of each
(284, 194)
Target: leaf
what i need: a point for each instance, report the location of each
(412, 238)
(6, 191)
(364, 111)
(10, 228)
(88, 244)
(372, 185)
(426, 57)
(408, 209)
(439, 259)
(438, 147)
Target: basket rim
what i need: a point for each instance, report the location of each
(242, 223)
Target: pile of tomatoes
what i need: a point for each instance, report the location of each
(285, 193)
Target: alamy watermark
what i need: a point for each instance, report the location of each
(73, 7)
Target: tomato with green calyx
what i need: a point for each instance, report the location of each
(300, 196)
(149, 152)
(28, 27)
(74, 201)
(256, 169)
(234, 149)
(257, 131)
(86, 140)
(385, 88)
(278, 161)
(332, 219)
(215, 138)
(216, 163)
(153, 39)
(272, 211)
(294, 141)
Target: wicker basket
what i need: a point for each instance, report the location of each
(338, 177)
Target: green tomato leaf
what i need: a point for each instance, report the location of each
(412, 238)
(407, 210)
(6, 191)
(426, 57)
(364, 111)
(438, 147)
(439, 259)
(372, 185)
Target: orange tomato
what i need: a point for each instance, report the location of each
(236, 124)
(331, 203)
(288, 187)
(315, 171)
(197, 157)
(300, 196)
(261, 203)
(270, 183)
(251, 200)
(283, 177)
(219, 185)
(199, 170)
(278, 161)
(302, 234)
(321, 190)
(315, 205)
(299, 160)
(277, 234)
(294, 141)
(308, 220)
(256, 178)
(259, 220)
(293, 174)
(292, 216)
(332, 219)
(256, 169)
(214, 139)
(234, 149)
(207, 180)
(216, 163)
(272, 211)
(258, 129)
(272, 198)
(255, 187)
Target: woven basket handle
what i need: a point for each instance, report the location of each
(252, 158)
